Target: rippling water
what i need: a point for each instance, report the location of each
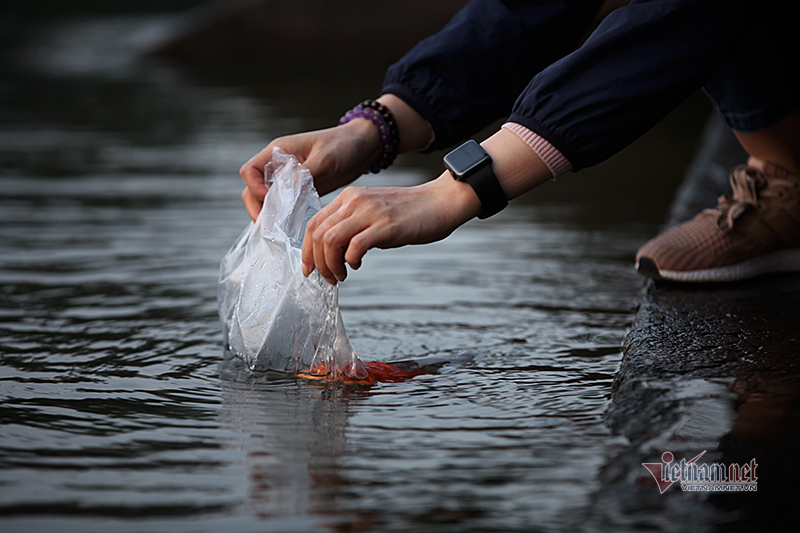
(120, 410)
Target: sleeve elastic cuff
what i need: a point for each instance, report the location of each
(552, 157)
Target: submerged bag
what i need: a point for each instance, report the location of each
(272, 316)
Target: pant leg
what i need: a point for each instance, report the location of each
(760, 84)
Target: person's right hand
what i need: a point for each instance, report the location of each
(361, 218)
(335, 156)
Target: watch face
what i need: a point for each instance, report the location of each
(466, 158)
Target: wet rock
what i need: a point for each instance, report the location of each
(736, 331)
(707, 367)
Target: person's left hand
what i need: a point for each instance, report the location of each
(361, 218)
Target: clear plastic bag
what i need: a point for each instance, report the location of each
(273, 317)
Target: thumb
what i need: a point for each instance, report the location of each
(252, 173)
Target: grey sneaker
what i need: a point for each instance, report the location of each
(757, 231)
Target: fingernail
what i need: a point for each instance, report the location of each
(306, 270)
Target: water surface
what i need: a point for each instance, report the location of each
(120, 410)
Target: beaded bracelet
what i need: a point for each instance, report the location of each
(380, 115)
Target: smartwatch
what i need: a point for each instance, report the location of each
(470, 163)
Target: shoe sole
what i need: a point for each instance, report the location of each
(780, 261)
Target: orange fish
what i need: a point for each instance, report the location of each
(371, 372)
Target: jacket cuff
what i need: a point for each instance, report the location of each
(552, 157)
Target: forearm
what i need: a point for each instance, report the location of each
(517, 167)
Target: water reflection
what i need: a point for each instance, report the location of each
(293, 434)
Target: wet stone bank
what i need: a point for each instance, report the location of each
(708, 367)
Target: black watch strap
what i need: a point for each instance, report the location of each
(490, 193)
(470, 163)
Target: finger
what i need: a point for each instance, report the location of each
(347, 234)
(321, 265)
(316, 242)
(308, 252)
(252, 205)
(319, 253)
(360, 243)
(252, 173)
(336, 240)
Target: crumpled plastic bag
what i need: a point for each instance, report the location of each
(273, 317)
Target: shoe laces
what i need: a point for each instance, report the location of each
(749, 185)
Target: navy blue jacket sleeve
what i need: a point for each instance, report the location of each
(590, 102)
(640, 63)
(471, 72)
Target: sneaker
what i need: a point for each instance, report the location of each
(757, 231)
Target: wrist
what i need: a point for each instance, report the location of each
(455, 200)
(386, 126)
(416, 133)
(471, 164)
(368, 136)
(517, 167)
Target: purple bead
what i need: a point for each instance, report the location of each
(381, 117)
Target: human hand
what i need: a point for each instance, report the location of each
(334, 156)
(361, 218)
